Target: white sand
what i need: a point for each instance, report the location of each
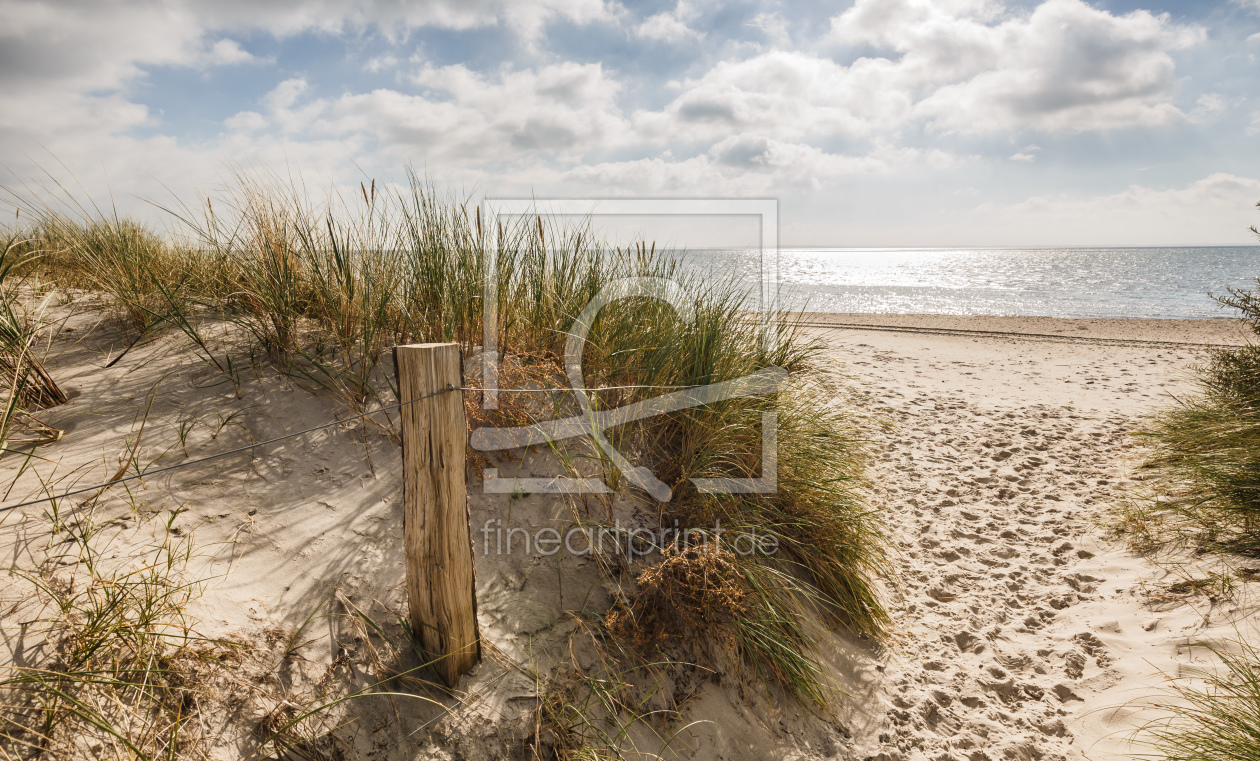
(1022, 633)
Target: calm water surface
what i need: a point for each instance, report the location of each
(1052, 282)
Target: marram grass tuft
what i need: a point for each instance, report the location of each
(320, 287)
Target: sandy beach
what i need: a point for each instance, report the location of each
(1025, 632)
(395, 381)
(1021, 630)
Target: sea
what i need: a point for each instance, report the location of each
(1156, 282)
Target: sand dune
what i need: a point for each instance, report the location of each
(1022, 631)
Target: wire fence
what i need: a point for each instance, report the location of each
(294, 434)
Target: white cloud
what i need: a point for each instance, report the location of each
(98, 47)
(1027, 154)
(759, 120)
(672, 26)
(964, 66)
(558, 110)
(745, 164)
(66, 64)
(287, 17)
(377, 64)
(1064, 67)
(562, 112)
(561, 108)
(246, 121)
(774, 27)
(1215, 209)
(288, 113)
(1209, 106)
(667, 28)
(228, 52)
(781, 94)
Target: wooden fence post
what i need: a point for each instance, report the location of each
(437, 542)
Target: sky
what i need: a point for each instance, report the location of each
(872, 122)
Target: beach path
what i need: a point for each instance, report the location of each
(1024, 632)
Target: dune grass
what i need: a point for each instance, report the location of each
(1204, 453)
(1214, 713)
(600, 715)
(321, 288)
(119, 679)
(27, 385)
(112, 665)
(1202, 469)
(118, 257)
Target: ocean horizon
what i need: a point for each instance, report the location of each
(1168, 282)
